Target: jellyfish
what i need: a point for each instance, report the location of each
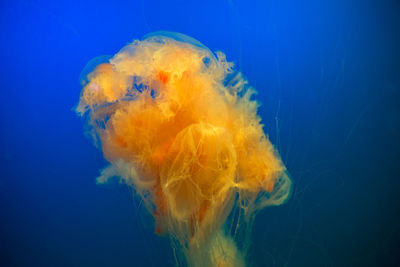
(177, 123)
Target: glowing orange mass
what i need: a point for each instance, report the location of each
(176, 123)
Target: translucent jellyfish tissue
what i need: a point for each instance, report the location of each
(176, 122)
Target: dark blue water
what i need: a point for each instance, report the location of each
(328, 77)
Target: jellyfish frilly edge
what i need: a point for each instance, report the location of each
(177, 123)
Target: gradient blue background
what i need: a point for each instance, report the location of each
(328, 76)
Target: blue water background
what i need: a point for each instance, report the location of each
(328, 77)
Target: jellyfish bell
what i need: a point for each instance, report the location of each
(188, 140)
(164, 36)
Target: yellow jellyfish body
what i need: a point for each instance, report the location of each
(176, 123)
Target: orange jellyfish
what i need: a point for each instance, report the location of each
(177, 123)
